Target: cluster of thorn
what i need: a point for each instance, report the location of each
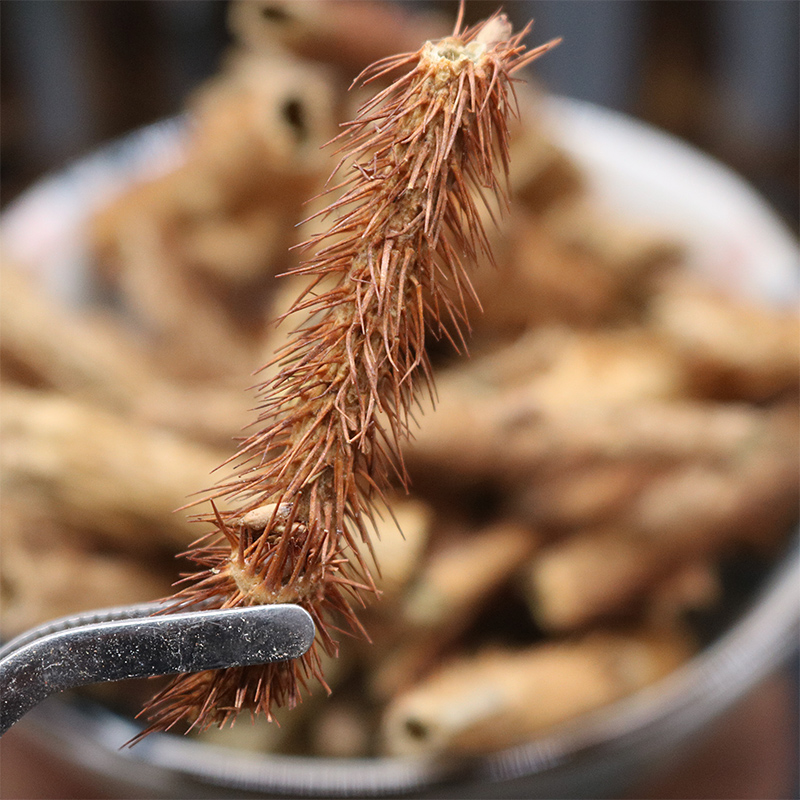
(326, 449)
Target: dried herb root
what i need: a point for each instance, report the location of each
(390, 267)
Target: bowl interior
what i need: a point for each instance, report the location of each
(733, 237)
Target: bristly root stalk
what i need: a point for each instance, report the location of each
(331, 420)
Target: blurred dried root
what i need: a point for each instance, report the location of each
(346, 36)
(502, 697)
(98, 472)
(622, 428)
(94, 358)
(608, 408)
(732, 349)
(568, 262)
(444, 596)
(195, 251)
(50, 569)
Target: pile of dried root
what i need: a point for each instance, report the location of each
(620, 430)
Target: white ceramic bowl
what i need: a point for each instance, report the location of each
(732, 236)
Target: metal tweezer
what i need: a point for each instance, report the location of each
(127, 642)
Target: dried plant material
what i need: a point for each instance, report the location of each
(322, 458)
(195, 251)
(500, 698)
(262, 119)
(237, 249)
(446, 595)
(46, 571)
(47, 346)
(188, 327)
(555, 397)
(343, 730)
(749, 496)
(458, 576)
(278, 334)
(579, 403)
(584, 494)
(569, 261)
(701, 469)
(251, 156)
(694, 586)
(95, 359)
(539, 282)
(664, 431)
(593, 574)
(350, 35)
(398, 544)
(572, 452)
(691, 513)
(542, 175)
(734, 348)
(634, 252)
(212, 414)
(98, 472)
(559, 367)
(605, 368)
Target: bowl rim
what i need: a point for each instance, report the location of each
(657, 716)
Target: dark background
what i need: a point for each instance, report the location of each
(723, 74)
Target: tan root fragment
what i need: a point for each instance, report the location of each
(577, 422)
(342, 731)
(445, 597)
(195, 251)
(590, 575)
(95, 359)
(569, 262)
(542, 175)
(46, 346)
(499, 698)
(596, 574)
(49, 569)
(358, 33)
(332, 417)
(456, 578)
(398, 547)
(538, 282)
(735, 348)
(113, 478)
(633, 252)
(693, 586)
(688, 515)
(748, 498)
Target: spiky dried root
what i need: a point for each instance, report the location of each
(331, 420)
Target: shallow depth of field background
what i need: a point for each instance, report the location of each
(722, 74)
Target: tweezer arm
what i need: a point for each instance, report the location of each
(110, 614)
(34, 666)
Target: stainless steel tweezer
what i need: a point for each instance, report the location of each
(128, 642)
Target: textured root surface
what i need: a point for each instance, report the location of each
(305, 485)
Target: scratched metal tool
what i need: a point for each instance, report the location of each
(128, 642)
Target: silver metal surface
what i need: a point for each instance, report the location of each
(118, 644)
